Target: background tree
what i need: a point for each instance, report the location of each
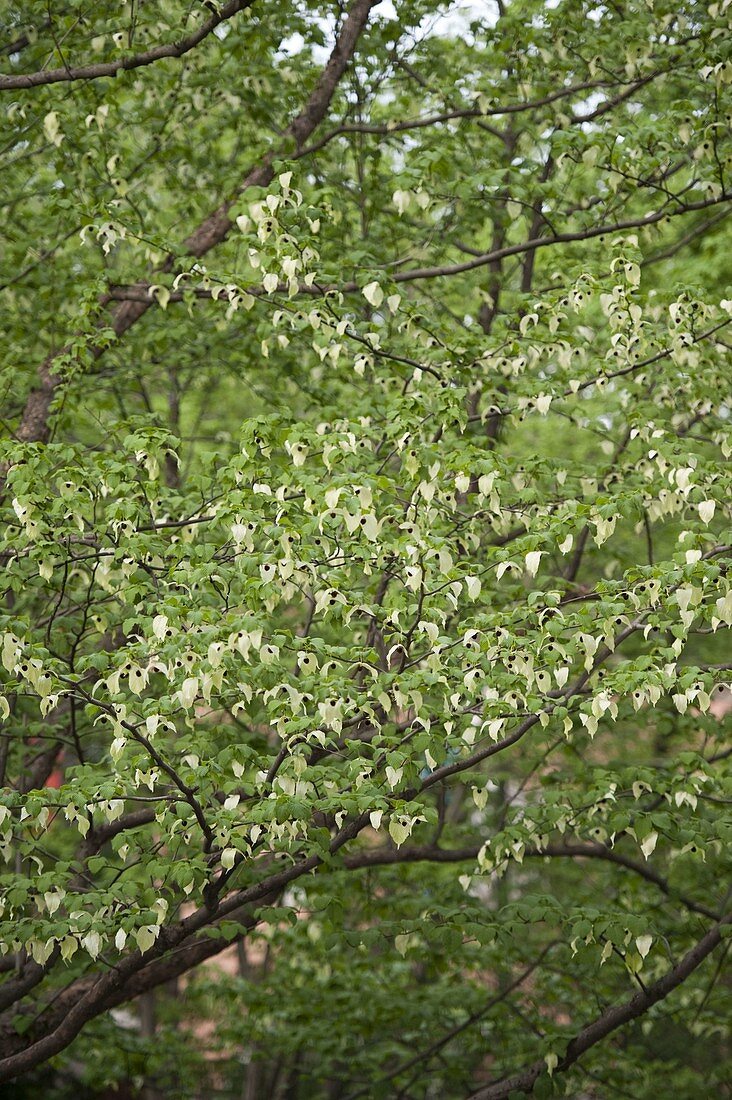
(366, 538)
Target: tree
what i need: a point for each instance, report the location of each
(366, 543)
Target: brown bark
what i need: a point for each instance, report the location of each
(611, 1019)
(86, 998)
(215, 228)
(13, 81)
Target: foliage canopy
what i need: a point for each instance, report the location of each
(365, 544)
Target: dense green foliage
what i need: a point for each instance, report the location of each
(365, 542)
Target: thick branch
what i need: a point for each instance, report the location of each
(215, 228)
(137, 61)
(388, 128)
(610, 1020)
(561, 238)
(82, 1002)
(139, 293)
(385, 857)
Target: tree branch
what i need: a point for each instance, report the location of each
(610, 1020)
(386, 857)
(22, 40)
(82, 1002)
(111, 68)
(215, 228)
(139, 293)
(560, 238)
